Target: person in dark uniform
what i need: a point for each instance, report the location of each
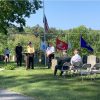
(30, 56)
(18, 51)
(62, 63)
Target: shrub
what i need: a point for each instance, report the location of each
(9, 67)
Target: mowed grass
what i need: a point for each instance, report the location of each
(42, 85)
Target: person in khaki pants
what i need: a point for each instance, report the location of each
(30, 56)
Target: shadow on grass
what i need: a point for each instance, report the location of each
(41, 84)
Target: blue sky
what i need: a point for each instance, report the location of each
(66, 14)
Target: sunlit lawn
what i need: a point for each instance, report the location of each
(42, 85)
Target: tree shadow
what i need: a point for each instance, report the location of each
(44, 86)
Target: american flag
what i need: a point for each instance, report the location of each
(46, 27)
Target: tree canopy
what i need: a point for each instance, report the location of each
(13, 12)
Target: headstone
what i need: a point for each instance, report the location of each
(13, 58)
(54, 63)
(91, 60)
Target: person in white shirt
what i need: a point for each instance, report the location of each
(76, 57)
(6, 54)
(50, 54)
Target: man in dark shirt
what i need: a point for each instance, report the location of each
(18, 51)
(62, 62)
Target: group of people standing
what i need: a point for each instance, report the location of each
(19, 55)
(29, 55)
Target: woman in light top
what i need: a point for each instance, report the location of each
(6, 54)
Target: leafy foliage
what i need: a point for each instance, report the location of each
(3, 43)
(71, 35)
(15, 11)
(10, 67)
(14, 39)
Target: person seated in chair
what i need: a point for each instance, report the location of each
(62, 63)
(75, 58)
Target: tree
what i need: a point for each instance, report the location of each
(14, 39)
(15, 11)
(81, 29)
(3, 43)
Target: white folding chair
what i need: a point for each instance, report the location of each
(65, 68)
(85, 70)
(96, 69)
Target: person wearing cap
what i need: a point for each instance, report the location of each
(30, 59)
(50, 54)
(18, 51)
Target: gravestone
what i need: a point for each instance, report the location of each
(13, 58)
(53, 64)
(91, 60)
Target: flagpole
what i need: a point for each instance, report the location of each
(80, 34)
(44, 30)
(68, 43)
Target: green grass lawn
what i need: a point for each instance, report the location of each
(42, 85)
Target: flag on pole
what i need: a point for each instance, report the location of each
(46, 26)
(60, 45)
(43, 46)
(84, 44)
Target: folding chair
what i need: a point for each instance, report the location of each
(85, 70)
(77, 66)
(65, 68)
(96, 69)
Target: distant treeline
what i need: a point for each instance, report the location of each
(35, 35)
